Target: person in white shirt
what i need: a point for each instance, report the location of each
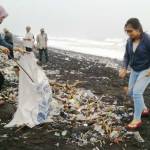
(42, 45)
(28, 39)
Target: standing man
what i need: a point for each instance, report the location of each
(8, 37)
(42, 45)
(28, 40)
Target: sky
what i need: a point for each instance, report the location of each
(83, 19)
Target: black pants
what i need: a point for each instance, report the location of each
(11, 54)
(1, 80)
(41, 51)
(28, 49)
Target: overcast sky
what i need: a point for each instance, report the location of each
(85, 19)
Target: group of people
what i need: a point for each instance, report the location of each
(41, 40)
(28, 42)
(137, 56)
(35, 94)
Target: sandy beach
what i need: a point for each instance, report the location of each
(97, 74)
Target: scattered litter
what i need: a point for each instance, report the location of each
(96, 148)
(64, 133)
(138, 137)
(52, 72)
(4, 136)
(57, 144)
(90, 118)
(57, 134)
(67, 59)
(114, 134)
(99, 129)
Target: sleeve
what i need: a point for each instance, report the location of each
(148, 42)
(126, 58)
(5, 44)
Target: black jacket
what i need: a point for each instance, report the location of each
(140, 59)
(5, 44)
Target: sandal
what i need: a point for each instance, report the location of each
(2, 102)
(134, 125)
(146, 113)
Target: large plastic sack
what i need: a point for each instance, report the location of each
(35, 103)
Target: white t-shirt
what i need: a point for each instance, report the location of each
(135, 45)
(29, 43)
(42, 41)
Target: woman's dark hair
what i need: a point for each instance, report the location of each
(135, 24)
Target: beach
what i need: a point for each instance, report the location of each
(96, 74)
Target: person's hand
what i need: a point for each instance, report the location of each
(122, 73)
(148, 74)
(5, 50)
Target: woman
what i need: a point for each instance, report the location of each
(137, 56)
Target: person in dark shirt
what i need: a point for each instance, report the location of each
(8, 37)
(137, 56)
(3, 15)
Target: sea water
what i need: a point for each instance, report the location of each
(112, 48)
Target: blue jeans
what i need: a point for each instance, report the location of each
(137, 85)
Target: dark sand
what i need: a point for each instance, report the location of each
(83, 68)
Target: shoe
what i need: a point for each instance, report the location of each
(134, 125)
(146, 113)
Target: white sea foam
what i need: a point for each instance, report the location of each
(113, 48)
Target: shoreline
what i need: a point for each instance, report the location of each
(110, 62)
(97, 75)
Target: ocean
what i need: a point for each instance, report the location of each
(112, 48)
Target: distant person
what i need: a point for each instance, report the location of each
(42, 45)
(29, 40)
(137, 56)
(8, 37)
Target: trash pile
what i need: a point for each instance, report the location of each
(89, 113)
(10, 90)
(88, 118)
